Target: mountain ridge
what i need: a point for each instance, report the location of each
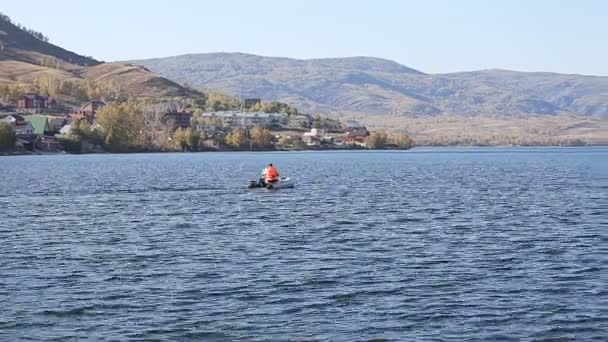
(377, 86)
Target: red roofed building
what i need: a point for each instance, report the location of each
(87, 111)
(356, 135)
(34, 103)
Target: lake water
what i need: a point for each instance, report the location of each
(437, 245)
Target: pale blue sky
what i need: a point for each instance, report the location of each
(432, 36)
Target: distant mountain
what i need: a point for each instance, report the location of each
(26, 56)
(379, 87)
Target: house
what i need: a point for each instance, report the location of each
(24, 129)
(356, 135)
(7, 108)
(177, 119)
(252, 102)
(87, 111)
(299, 121)
(91, 107)
(34, 103)
(20, 125)
(56, 123)
(65, 130)
(47, 143)
(12, 118)
(314, 137)
(40, 124)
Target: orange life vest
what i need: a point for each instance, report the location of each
(272, 174)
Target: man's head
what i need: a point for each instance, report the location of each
(270, 164)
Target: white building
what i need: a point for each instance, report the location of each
(12, 119)
(247, 119)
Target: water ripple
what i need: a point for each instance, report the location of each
(482, 245)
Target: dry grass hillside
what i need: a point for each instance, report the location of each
(26, 56)
(446, 130)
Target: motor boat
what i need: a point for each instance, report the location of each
(283, 183)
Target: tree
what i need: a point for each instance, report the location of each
(298, 143)
(153, 130)
(376, 140)
(402, 140)
(261, 137)
(7, 136)
(80, 130)
(180, 137)
(285, 141)
(236, 138)
(193, 138)
(121, 126)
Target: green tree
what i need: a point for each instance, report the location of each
(285, 141)
(376, 140)
(80, 130)
(7, 136)
(298, 143)
(120, 125)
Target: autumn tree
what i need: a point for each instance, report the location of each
(80, 130)
(121, 126)
(180, 138)
(376, 140)
(401, 140)
(236, 138)
(261, 137)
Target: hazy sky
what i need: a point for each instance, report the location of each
(431, 36)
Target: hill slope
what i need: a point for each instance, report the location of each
(26, 56)
(373, 86)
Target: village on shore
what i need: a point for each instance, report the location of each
(37, 123)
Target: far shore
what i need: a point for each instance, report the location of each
(417, 148)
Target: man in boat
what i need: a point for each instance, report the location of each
(271, 174)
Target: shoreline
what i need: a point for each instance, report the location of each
(417, 148)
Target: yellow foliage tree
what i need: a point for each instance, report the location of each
(401, 140)
(121, 126)
(376, 140)
(261, 137)
(236, 138)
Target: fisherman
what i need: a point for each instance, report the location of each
(271, 174)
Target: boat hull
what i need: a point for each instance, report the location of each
(284, 183)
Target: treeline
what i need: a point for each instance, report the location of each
(216, 102)
(80, 90)
(382, 140)
(329, 124)
(499, 140)
(139, 126)
(31, 32)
